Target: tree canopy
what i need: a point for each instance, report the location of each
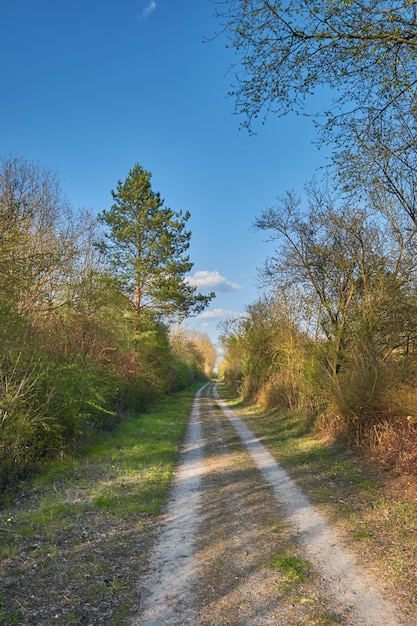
(365, 50)
(361, 54)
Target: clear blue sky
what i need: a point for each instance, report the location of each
(91, 87)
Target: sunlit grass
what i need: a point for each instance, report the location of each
(292, 568)
(125, 473)
(291, 438)
(81, 523)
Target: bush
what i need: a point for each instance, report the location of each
(29, 429)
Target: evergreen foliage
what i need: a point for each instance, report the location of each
(146, 245)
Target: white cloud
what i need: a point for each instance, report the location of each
(219, 314)
(149, 9)
(212, 280)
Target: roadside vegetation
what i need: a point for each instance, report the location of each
(324, 363)
(74, 539)
(90, 314)
(334, 334)
(91, 309)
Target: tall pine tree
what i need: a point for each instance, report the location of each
(146, 245)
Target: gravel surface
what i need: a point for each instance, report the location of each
(240, 543)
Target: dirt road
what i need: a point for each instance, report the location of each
(240, 544)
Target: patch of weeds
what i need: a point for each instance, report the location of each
(363, 534)
(302, 599)
(293, 569)
(278, 529)
(9, 550)
(104, 501)
(13, 618)
(115, 585)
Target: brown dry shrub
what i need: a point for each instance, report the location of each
(284, 390)
(330, 427)
(394, 443)
(364, 398)
(389, 435)
(272, 396)
(393, 440)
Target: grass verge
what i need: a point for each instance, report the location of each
(73, 540)
(377, 508)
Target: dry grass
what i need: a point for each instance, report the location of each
(394, 443)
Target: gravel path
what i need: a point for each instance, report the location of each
(240, 543)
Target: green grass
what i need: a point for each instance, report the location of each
(107, 493)
(292, 569)
(125, 473)
(126, 469)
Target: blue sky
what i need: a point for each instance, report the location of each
(92, 87)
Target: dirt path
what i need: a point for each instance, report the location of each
(240, 544)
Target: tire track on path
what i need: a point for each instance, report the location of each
(225, 520)
(353, 588)
(165, 590)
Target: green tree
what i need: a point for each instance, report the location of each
(207, 350)
(47, 397)
(146, 245)
(360, 270)
(321, 254)
(356, 265)
(266, 350)
(231, 337)
(196, 348)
